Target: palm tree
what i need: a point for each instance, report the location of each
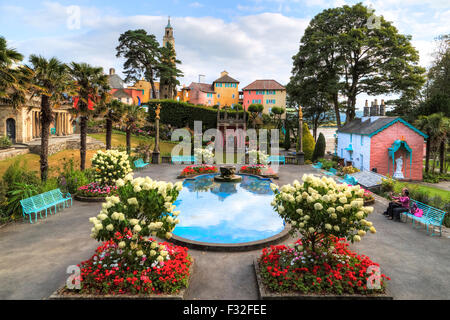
(113, 112)
(135, 115)
(13, 81)
(91, 89)
(50, 82)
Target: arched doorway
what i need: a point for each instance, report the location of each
(11, 129)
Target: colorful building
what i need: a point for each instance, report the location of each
(269, 93)
(130, 95)
(376, 142)
(201, 93)
(227, 90)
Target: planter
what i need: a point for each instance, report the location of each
(65, 294)
(265, 294)
(89, 199)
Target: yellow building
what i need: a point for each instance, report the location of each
(227, 90)
(147, 87)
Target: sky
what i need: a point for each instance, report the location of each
(253, 39)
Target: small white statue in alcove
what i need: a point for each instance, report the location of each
(398, 174)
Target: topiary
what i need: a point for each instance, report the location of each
(287, 137)
(319, 149)
(308, 142)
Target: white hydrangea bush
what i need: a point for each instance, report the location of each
(110, 165)
(142, 208)
(204, 155)
(320, 208)
(257, 157)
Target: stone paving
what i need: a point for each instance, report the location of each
(34, 258)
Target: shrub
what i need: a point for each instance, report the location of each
(328, 164)
(257, 157)
(70, 179)
(110, 165)
(349, 170)
(308, 162)
(5, 142)
(19, 191)
(319, 149)
(93, 189)
(50, 184)
(387, 185)
(287, 137)
(16, 173)
(320, 208)
(308, 142)
(198, 169)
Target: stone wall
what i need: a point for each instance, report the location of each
(11, 152)
(74, 144)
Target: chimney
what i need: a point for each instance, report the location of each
(382, 109)
(223, 73)
(372, 109)
(112, 71)
(366, 109)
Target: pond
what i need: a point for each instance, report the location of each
(226, 212)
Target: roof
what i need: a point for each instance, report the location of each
(121, 93)
(203, 87)
(371, 128)
(264, 85)
(115, 82)
(227, 79)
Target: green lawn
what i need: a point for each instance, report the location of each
(432, 192)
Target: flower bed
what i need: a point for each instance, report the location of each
(338, 270)
(368, 197)
(94, 190)
(108, 273)
(258, 169)
(196, 169)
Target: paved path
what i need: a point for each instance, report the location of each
(34, 258)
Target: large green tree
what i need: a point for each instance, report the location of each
(348, 55)
(92, 90)
(142, 56)
(52, 84)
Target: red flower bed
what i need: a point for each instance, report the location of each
(198, 169)
(93, 189)
(106, 272)
(258, 169)
(341, 271)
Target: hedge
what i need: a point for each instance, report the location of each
(179, 114)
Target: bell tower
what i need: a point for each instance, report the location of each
(166, 89)
(168, 35)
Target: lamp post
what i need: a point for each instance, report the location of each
(299, 154)
(155, 154)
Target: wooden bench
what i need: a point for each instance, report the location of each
(431, 216)
(45, 201)
(276, 158)
(182, 159)
(318, 165)
(139, 163)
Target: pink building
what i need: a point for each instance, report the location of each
(201, 94)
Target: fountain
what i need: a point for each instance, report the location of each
(228, 174)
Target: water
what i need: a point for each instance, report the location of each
(225, 212)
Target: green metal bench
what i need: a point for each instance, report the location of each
(139, 163)
(318, 165)
(181, 159)
(431, 217)
(45, 201)
(276, 158)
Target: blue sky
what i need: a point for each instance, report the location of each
(252, 39)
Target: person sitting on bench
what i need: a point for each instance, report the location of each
(398, 205)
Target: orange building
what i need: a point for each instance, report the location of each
(227, 90)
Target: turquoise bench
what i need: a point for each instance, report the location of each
(431, 216)
(318, 165)
(349, 180)
(331, 172)
(139, 163)
(276, 158)
(181, 159)
(44, 201)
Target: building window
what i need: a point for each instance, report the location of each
(233, 96)
(218, 96)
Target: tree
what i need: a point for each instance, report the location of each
(134, 115)
(277, 113)
(91, 90)
(357, 57)
(142, 56)
(52, 83)
(287, 137)
(113, 112)
(308, 142)
(168, 71)
(255, 109)
(319, 149)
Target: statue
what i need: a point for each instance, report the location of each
(398, 174)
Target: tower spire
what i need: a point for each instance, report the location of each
(168, 23)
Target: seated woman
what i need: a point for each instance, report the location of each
(398, 205)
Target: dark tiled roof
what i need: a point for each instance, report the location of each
(204, 87)
(264, 85)
(115, 82)
(121, 94)
(226, 78)
(366, 127)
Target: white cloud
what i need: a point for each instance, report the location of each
(195, 5)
